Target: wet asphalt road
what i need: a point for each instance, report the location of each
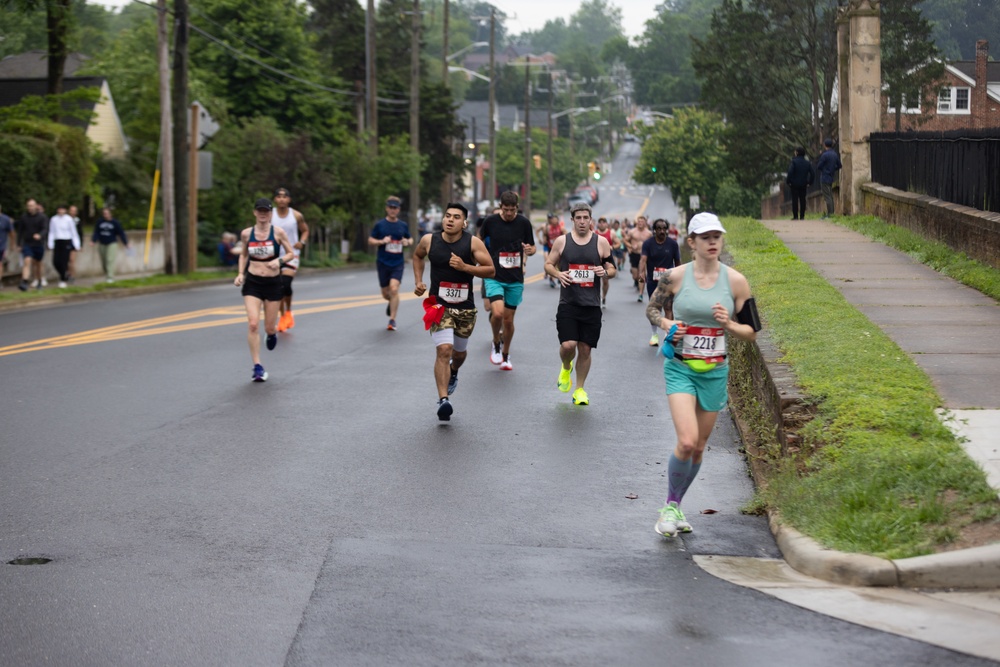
(326, 517)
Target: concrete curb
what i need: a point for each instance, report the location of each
(976, 568)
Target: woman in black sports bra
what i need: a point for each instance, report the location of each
(260, 277)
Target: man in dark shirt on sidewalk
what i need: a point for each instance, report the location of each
(828, 166)
(107, 231)
(32, 233)
(799, 178)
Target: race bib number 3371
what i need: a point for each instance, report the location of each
(453, 292)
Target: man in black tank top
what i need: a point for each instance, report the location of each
(456, 257)
(579, 261)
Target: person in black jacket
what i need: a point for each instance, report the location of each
(800, 177)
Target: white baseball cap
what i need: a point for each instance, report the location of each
(705, 222)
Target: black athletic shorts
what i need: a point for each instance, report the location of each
(633, 259)
(579, 323)
(265, 289)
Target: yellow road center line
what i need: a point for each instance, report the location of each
(168, 324)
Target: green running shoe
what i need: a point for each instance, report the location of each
(565, 379)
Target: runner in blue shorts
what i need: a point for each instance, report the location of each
(390, 235)
(710, 301)
(508, 236)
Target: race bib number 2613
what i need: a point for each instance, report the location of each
(582, 275)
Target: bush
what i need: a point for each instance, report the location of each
(734, 199)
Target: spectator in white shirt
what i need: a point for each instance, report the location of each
(63, 239)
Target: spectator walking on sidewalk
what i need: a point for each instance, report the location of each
(828, 166)
(6, 234)
(62, 241)
(799, 178)
(107, 231)
(32, 231)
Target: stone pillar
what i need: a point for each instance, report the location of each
(865, 91)
(843, 102)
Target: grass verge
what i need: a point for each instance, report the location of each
(939, 256)
(877, 472)
(14, 294)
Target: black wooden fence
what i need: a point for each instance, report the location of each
(961, 166)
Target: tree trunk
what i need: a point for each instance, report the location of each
(58, 14)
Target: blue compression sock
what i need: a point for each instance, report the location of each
(677, 474)
(695, 467)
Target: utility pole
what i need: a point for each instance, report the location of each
(166, 138)
(444, 46)
(448, 185)
(415, 115)
(475, 170)
(370, 87)
(572, 105)
(493, 107)
(192, 246)
(549, 202)
(179, 104)
(527, 137)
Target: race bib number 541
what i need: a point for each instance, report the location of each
(510, 260)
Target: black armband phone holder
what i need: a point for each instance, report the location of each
(748, 314)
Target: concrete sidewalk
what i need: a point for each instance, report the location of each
(949, 330)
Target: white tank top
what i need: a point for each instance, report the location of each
(289, 224)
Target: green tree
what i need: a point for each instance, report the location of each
(687, 154)
(252, 158)
(510, 164)
(910, 60)
(339, 29)
(58, 27)
(363, 180)
(273, 46)
(769, 67)
(660, 63)
(958, 24)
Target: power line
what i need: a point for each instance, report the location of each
(245, 56)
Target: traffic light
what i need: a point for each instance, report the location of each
(538, 161)
(597, 170)
(591, 167)
(653, 169)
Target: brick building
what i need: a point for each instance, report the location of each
(969, 98)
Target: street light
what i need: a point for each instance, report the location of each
(575, 111)
(468, 72)
(474, 45)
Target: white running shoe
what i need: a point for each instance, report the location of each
(505, 365)
(671, 521)
(495, 355)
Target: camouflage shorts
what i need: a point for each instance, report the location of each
(462, 320)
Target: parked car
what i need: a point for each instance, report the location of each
(588, 192)
(574, 198)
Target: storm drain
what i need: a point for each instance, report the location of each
(35, 560)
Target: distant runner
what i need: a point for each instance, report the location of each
(390, 235)
(294, 225)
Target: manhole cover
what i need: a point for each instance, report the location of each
(29, 561)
